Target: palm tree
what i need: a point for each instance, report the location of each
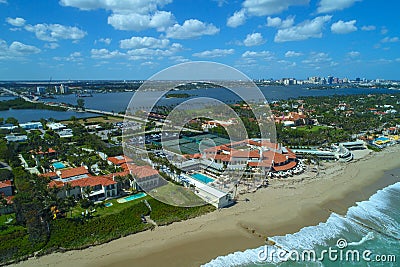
(87, 190)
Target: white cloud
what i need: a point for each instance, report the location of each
(51, 45)
(390, 40)
(191, 28)
(269, 7)
(55, 32)
(279, 23)
(17, 22)
(105, 53)
(252, 55)
(139, 22)
(342, 27)
(214, 53)
(3, 1)
(354, 54)
(238, 18)
(368, 28)
(253, 39)
(149, 63)
(16, 50)
(141, 42)
(326, 6)
(319, 60)
(384, 30)
(305, 30)
(73, 57)
(135, 15)
(178, 59)
(106, 41)
(261, 8)
(293, 54)
(221, 2)
(149, 53)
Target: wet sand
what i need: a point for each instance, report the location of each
(284, 207)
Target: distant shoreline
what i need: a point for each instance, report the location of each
(285, 207)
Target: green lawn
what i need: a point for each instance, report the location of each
(171, 193)
(115, 208)
(312, 129)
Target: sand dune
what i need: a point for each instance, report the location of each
(285, 207)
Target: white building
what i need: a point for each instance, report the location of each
(210, 194)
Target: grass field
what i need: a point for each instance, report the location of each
(312, 129)
(97, 120)
(176, 194)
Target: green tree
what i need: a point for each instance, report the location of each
(12, 120)
(80, 103)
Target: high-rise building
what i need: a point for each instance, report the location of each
(40, 90)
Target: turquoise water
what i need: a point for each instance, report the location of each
(369, 230)
(382, 139)
(202, 178)
(135, 196)
(58, 165)
(108, 204)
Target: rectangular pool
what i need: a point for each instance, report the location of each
(58, 165)
(202, 178)
(132, 197)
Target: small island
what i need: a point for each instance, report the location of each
(177, 95)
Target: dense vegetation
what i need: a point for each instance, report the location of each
(164, 214)
(19, 103)
(176, 95)
(79, 233)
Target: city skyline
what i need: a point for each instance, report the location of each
(117, 40)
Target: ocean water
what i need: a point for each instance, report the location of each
(369, 230)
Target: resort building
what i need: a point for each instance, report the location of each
(56, 126)
(118, 160)
(211, 195)
(336, 153)
(71, 174)
(355, 145)
(92, 187)
(144, 177)
(16, 138)
(31, 125)
(254, 154)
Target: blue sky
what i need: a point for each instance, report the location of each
(134, 39)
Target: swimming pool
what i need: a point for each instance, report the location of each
(132, 197)
(202, 178)
(109, 204)
(58, 165)
(382, 138)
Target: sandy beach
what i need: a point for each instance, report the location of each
(284, 207)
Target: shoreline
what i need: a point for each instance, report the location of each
(284, 207)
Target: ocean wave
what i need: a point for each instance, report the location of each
(368, 219)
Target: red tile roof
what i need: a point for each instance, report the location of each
(49, 174)
(285, 167)
(73, 172)
(142, 171)
(55, 183)
(49, 151)
(264, 163)
(280, 158)
(246, 154)
(84, 182)
(92, 181)
(118, 160)
(6, 183)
